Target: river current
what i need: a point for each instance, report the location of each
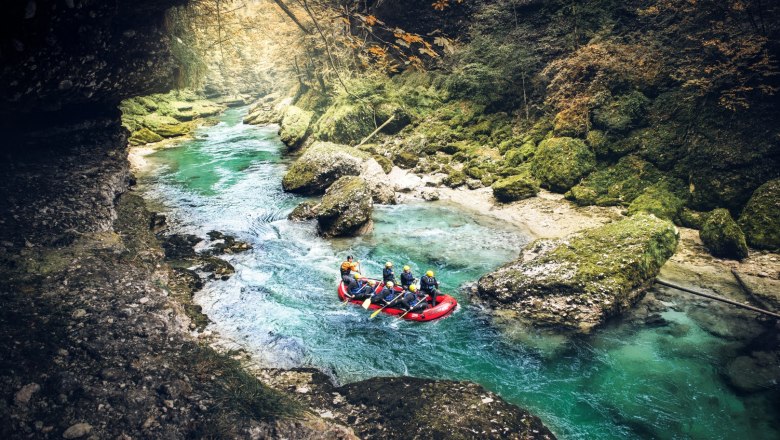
(627, 381)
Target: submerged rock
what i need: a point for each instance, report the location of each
(295, 126)
(579, 281)
(755, 372)
(760, 220)
(346, 207)
(722, 236)
(561, 162)
(321, 165)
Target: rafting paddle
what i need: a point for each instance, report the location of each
(373, 315)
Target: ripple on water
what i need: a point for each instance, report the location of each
(625, 382)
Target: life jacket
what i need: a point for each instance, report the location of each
(428, 283)
(407, 278)
(347, 267)
(388, 294)
(388, 275)
(354, 286)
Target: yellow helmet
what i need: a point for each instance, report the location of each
(429, 273)
(371, 283)
(407, 268)
(389, 264)
(358, 276)
(413, 288)
(390, 284)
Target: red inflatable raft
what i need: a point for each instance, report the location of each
(445, 304)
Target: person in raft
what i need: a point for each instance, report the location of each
(388, 296)
(429, 286)
(413, 300)
(407, 278)
(346, 269)
(360, 288)
(387, 273)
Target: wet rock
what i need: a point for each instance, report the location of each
(755, 372)
(760, 220)
(77, 431)
(180, 246)
(322, 164)
(579, 281)
(226, 244)
(722, 236)
(559, 163)
(295, 126)
(764, 290)
(346, 207)
(514, 188)
(304, 211)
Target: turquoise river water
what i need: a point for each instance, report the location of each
(627, 381)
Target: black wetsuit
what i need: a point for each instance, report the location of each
(429, 285)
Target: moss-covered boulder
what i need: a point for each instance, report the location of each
(295, 126)
(514, 188)
(722, 236)
(664, 200)
(617, 184)
(560, 163)
(165, 126)
(579, 281)
(144, 136)
(690, 218)
(622, 112)
(406, 159)
(454, 178)
(322, 164)
(760, 220)
(350, 122)
(346, 208)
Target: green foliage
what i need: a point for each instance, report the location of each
(617, 184)
(722, 236)
(622, 112)
(559, 163)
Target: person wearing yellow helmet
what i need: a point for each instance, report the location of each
(413, 301)
(360, 287)
(430, 286)
(407, 278)
(387, 273)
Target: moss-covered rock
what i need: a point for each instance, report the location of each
(760, 220)
(144, 136)
(722, 236)
(579, 281)
(617, 184)
(304, 211)
(406, 159)
(515, 188)
(663, 199)
(560, 163)
(322, 164)
(455, 178)
(349, 122)
(345, 208)
(621, 113)
(690, 218)
(295, 126)
(598, 141)
(165, 126)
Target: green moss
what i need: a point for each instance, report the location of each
(295, 126)
(515, 188)
(692, 219)
(406, 159)
(476, 82)
(345, 207)
(165, 126)
(144, 136)
(322, 164)
(621, 113)
(722, 236)
(663, 199)
(455, 178)
(598, 141)
(385, 163)
(617, 184)
(760, 220)
(559, 163)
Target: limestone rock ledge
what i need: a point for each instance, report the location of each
(579, 281)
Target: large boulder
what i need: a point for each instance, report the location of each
(561, 162)
(519, 187)
(618, 184)
(295, 126)
(760, 220)
(346, 208)
(722, 236)
(321, 165)
(664, 200)
(579, 281)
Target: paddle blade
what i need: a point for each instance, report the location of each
(366, 303)
(373, 315)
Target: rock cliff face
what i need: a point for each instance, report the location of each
(68, 59)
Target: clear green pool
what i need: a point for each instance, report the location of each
(627, 381)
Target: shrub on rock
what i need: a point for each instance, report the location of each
(321, 165)
(561, 162)
(760, 220)
(579, 281)
(722, 236)
(346, 207)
